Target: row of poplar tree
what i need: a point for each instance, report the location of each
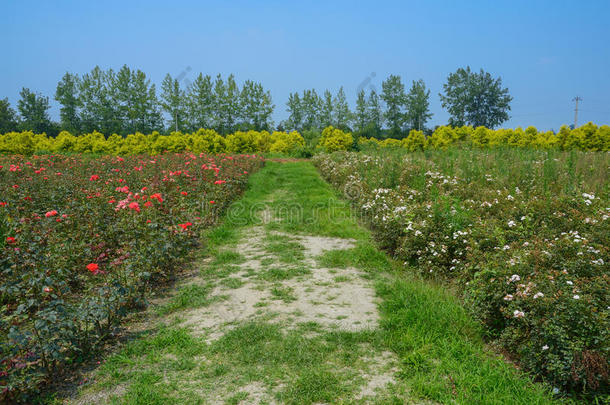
(126, 101)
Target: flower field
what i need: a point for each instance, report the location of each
(83, 240)
(524, 235)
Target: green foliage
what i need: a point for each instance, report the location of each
(418, 106)
(34, 111)
(395, 98)
(475, 99)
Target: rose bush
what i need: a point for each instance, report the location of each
(83, 240)
(524, 234)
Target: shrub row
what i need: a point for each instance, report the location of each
(524, 234)
(83, 240)
(589, 137)
(204, 140)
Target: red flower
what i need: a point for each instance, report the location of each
(134, 206)
(148, 204)
(220, 182)
(185, 225)
(93, 268)
(212, 202)
(3, 204)
(157, 197)
(94, 177)
(184, 193)
(10, 239)
(51, 213)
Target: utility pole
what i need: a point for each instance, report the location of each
(576, 99)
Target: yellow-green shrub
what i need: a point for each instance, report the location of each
(441, 138)
(334, 139)
(416, 140)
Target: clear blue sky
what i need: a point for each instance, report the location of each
(545, 51)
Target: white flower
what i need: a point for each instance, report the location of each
(514, 277)
(569, 282)
(545, 347)
(538, 295)
(510, 197)
(518, 314)
(511, 224)
(576, 297)
(508, 297)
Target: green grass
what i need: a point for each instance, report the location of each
(442, 357)
(190, 296)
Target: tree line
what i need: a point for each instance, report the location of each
(126, 101)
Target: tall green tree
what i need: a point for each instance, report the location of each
(8, 117)
(34, 110)
(97, 101)
(220, 107)
(256, 106)
(361, 114)
(475, 99)
(341, 113)
(144, 114)
(327, 110)
(418, 106)
(310, 104)
(67, 95)
(233, 112)
(374, 113)
(294, 108)
(393, 94)
(173, 102)
(200, 102)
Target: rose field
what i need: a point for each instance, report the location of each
(522, 235)
(84, 239)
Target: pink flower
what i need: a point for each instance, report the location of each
(134, 206)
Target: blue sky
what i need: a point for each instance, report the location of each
(545, 51)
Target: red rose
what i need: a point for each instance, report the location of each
(93, 268)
